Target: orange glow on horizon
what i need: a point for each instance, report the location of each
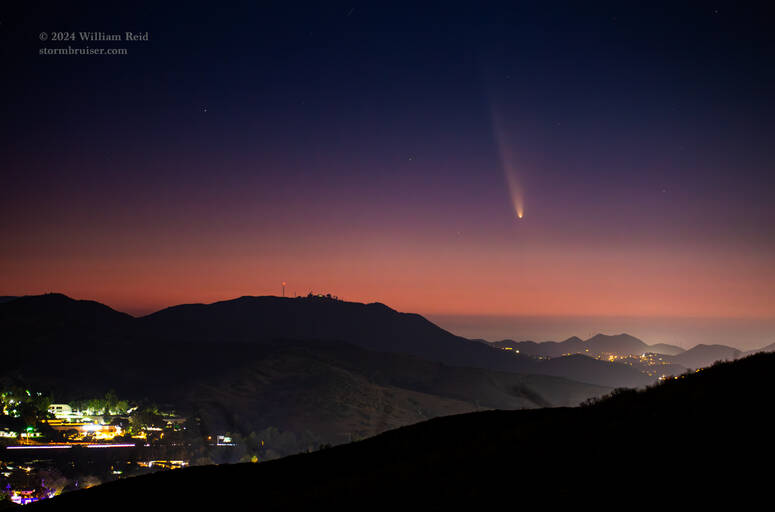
(416, 278)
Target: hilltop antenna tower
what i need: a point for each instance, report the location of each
(283, 288)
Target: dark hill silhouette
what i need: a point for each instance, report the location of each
(692, 434)
(617, 343)
(371, 326)
(256, 318)
(58, 310)
(36, 318)
(572, 345)
(55, 324)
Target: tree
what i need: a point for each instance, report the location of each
(95, 406)
(121, 407)
(29, 413)
(111, 399)
(146, 418)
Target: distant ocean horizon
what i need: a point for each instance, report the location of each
(741, 333)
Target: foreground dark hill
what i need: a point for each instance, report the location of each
(266, 319)
(695, 439)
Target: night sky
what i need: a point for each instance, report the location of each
(380, 152)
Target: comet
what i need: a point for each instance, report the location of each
(508, 165)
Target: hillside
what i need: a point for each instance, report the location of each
(313, 391)
(39, 317)
(371, 326)
(683, 432)
(340, 392)
(701, 356)
(318, 392)
(665, 349)
(768, 348)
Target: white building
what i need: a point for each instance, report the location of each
(61, 411)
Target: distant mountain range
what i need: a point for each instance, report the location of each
(700, 356)
(622, 344)
(692, 432)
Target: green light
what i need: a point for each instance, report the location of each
(30, 429)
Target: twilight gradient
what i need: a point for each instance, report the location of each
(360, 151)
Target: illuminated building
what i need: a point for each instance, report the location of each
(61, 411)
